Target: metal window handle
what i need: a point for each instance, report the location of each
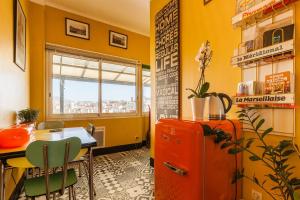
(175, 169)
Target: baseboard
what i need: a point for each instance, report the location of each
(18, 189)
(151, 162)
(116, 149)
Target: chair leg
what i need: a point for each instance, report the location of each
(79, 169)
(73, 193)
(87, 176)
(54, 196)
(70, 193)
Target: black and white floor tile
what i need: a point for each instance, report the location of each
(120, 176)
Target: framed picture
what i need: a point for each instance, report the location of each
(206, 1)
(19, 36)
(118, 40)
(77, 29)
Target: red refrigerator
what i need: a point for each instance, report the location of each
(189, 166)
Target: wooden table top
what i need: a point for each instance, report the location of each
(47, 135)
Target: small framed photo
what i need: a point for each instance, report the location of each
(19, 36)
(206, 1)
(77, 29)
(118, 40)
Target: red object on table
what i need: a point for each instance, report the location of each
(189, 166)
(14, 137)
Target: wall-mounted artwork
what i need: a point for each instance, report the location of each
(206, 1)
(118, 40)
(167, 61)
(19, 36)
(77, 29)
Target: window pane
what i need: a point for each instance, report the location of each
(75, 85)
(80, 97)
(118, 88)
(55, 96)
(146, 89)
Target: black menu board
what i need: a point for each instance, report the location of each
(167, 61)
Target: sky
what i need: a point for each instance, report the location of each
(87, 91)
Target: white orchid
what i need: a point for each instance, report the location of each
(204, 55)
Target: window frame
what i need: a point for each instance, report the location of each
(49, 76)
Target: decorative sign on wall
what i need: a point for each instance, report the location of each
(167, 61)
(265, 52)
(266, 99)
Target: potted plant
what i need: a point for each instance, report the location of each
(276, 158)
(198, 96)
(27, 116)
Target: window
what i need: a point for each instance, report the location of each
(75, 85)
(118, 88)
(146, 79)
(84, 86)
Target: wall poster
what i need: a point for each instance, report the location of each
(167, 51)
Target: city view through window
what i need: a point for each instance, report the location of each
(76, 87)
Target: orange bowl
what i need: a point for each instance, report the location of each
(13, 137)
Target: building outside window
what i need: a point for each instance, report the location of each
(84, 86)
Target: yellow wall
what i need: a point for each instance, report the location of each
(14, 89)
(211, 22)
(49, 27)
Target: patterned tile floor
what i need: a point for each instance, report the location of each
(120, 176)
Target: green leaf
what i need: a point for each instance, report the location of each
(295, 181)
(226, 144)
(234, 151)
(288, 152)
(191, 96)
(260, 123)
(266, 132)
(207, 130)
(254, 158)
(204, 89)
(193, 91)
(296, 196)
(249, 143)
(255, 119)
(273, 178)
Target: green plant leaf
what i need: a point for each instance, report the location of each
(193, 91)
(249, 143)
(207, 130)
(259, 124)
(254, 158)
(255, 119)
(234, 151)
(226, 144)
(296, 196)
(266, 132)
(288, 152)
(204, 88)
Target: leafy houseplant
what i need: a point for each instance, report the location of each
(199, 94)
(27, 115)
(274, 157)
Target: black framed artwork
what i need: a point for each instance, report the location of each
(118, 40)
(206, 1)
(77, 29)
(19, 36)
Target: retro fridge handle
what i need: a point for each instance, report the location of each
(175, 169)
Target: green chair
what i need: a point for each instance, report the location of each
(49, 155)
(51, 125)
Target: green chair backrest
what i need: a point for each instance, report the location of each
(56, 151)
(51, 125)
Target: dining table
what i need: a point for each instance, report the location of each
(87, 142)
